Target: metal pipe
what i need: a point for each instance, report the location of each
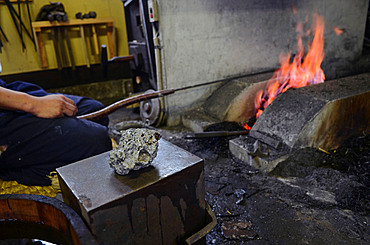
(213, 134)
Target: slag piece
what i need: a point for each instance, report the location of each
(137, 149)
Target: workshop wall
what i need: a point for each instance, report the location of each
(15, 60)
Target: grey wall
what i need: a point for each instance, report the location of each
(208, 40)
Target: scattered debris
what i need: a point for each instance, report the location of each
(311, 197)
(237, 230)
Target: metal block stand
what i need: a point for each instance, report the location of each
(162, 204)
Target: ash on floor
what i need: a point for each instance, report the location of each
(313, 197)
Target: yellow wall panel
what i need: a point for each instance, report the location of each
(16, 60)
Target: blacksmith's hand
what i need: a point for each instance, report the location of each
(53, 106)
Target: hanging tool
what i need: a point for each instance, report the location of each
(3, 33)
(61, 46)
(6, 39)
(92, 14)
(30, 21)
(69, 47)
(57, 54)
(95, 41)
(12, 14)
(82, 33)
(16, 16)
(21, 24)
(20, 14)
(58, 35)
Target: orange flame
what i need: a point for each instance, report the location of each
(294, 9)
(302, 71)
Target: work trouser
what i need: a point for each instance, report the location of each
(37, 146)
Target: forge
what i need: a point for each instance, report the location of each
(295, 108)
(306, 154)
(320, 116)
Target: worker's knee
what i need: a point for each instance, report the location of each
(94, 136)
(92, 105)
(86, 105)
(98, 136)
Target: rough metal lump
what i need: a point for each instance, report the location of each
(137, 149)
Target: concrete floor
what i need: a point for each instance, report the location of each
(314, 198)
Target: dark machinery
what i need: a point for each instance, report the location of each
(140, 44)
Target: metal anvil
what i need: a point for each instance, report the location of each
(161, 204)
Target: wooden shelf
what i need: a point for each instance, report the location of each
(39, 26)
(73, 22)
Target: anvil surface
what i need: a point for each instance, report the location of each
(95, 183)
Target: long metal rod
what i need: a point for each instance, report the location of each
(224, 80)
(125, 102)
(213, 134)
(135, 99)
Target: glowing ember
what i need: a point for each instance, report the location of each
(302, 71)
(337, 31)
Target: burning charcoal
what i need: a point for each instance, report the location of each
(251, 122)
(137, 149)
